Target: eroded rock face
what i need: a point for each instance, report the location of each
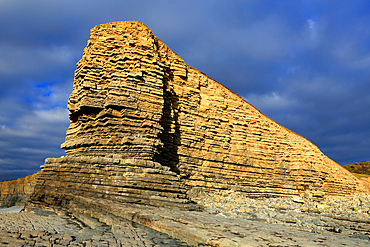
(17, 192)
(139, 114)
(117, 101)
(129, 180)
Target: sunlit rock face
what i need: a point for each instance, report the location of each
(117, 101)
(148, 128)
(17, 192)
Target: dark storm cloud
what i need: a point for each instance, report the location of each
(305, 64)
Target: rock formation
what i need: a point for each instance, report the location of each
(17, 192)
(148, 128)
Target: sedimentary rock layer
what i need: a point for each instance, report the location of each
(134, 99)
(17, 192)
(130, 180)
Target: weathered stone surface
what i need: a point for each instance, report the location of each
(17, 192)
(46, 228)
(148, 128)
(127, 180)
(204, 229)
(103, 224)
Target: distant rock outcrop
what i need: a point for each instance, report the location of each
(17, 192)
(361, 170)
(148, 128)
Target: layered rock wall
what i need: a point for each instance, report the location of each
(227, 143)
(127, 180)
(138, 106)
(17, 192)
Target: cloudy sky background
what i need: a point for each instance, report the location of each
(305, 64)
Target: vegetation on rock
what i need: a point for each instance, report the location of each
(359, 169)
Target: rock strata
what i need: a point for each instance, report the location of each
(148, 128)
(17, 192)
(127, 180)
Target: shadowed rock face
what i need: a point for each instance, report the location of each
(148, 128)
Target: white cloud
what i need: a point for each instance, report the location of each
(55, 115)
(319, 86)
(271, 38)
(264, 39)
(312, 34)
(7, 162)
(57, 54)
(348, 52)
(270, 101)
(54, 95)
(30, 60)
(312, 26)
(362, 63)
(38, 123)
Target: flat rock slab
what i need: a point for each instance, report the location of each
(15, 209)
(45, 228)
(204, 229)
(140, 225)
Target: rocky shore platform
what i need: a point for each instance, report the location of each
(228, 219)
(51, 228)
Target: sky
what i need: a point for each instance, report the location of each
(304, 64)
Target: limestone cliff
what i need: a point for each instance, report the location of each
(148, 128)
(17, 192)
